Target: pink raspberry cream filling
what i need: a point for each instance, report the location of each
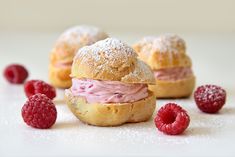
(173, 74)
(96, 91)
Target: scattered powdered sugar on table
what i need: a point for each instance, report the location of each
(71, 134)
(203, 128)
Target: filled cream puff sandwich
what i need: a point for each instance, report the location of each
(167, 57)
(110, 85)
(64, 50)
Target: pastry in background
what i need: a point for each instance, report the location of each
(110, 85)
(65, 48)
(172, 67)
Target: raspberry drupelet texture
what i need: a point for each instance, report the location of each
(15, 73)
(37, 86)
(171, 119)
(210, 98)
(39, 112)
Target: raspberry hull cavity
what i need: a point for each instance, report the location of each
(171, 119)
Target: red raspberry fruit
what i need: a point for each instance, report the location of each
(171, 119)
(37, 86)
(15, 73)
(39, 112)
(210, 98)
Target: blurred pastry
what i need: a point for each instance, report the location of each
(64, 50)
(110, 85)
(172, 67)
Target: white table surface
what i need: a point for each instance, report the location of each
(208, 135)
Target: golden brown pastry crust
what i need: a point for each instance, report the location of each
(166, 51)
(111, 114)
(173, 89)
(59, 77)
(112, 60)
(65, 49)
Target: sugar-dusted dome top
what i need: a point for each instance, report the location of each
(165, 43)
(84, 34)
(110, 59)
(75, 38)
(164, 51)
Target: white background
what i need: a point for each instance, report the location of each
(28, 30)
(125, 15)
(207, 135)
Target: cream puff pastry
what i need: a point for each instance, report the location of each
(110, 85)
(167, 57)
(64, 50)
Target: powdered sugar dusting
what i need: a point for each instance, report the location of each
(165, 43)
(142, 72)
(88, 34)
(112, 45)
(210, 93)
(110, 49)
(112, 55)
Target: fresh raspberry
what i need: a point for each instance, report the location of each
(37, 86)
(15, 73)
(210, 98)
(39, 112)
(172, 119)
